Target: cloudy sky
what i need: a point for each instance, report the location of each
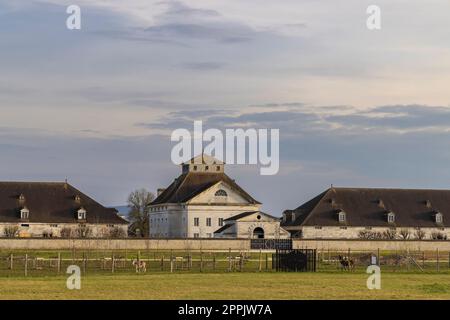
(354, 107)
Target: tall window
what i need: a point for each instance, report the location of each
(220, 222)
(208, 222)
(196, 222)
(342, 216)
(196, 235)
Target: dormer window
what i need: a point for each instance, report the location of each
(428, 203)
(77, 199)
(380, 203)
(82, 214)
(439, 218)
(391, 217)
(24, 214)
(221, 193)
(22, 197)
(341, 216)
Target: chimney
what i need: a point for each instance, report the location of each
(159, 191)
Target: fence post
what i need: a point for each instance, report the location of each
(171, 264)
(112, 263)
(26, 264)
(378, 257)
(260, 260)
(267, 262)
(162, 263)
(437, 259)
(241, 262)
(201, 261)
(11, 263)
(58, 264)
(229, 260)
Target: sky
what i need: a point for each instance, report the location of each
(355, 107)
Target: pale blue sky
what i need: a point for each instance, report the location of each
(354, 107)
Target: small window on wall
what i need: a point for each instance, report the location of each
(208, 222)
(439, 217)
(196, 235)
(220, 222)
(209, 235)
(196, 222)
(221, 193)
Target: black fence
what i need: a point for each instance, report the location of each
(271, 244)
(302, 260)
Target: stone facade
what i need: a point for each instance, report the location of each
(252, 225)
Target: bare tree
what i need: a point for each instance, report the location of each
(420, 234)
(11, 231)
(139, 202)
(404, 234)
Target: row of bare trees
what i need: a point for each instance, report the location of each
(403, 234)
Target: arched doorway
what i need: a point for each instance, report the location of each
(258, 233)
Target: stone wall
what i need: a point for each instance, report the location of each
(214, 244)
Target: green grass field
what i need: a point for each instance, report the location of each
(238, 286)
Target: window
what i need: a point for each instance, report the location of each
(24, 214)
(54, 226)
(218, 168)
(344, 228)
(209, 235)
(206, 168)
(196, 235)
(82, 214)
(208, 222)
(221, 193)
(195, 168)
(391, 217)
(439, 217)
(317, 227)
(341, 216)
(196, 222)
(220, 222)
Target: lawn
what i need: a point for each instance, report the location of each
(230, 286)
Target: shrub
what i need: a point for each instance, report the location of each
(66, 232)
(438, 236)
(83, 231)
(117, 232)
(420, 234)
(404, 234)
(390, 234)
(10, 231)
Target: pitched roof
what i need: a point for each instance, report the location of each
(190, 184)
(51, 202)
(369, 207)
(248, 213)
(223, 228)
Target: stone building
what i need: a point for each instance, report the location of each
(372, 213)
(199, 201)
(253, 224)
(54, 209)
